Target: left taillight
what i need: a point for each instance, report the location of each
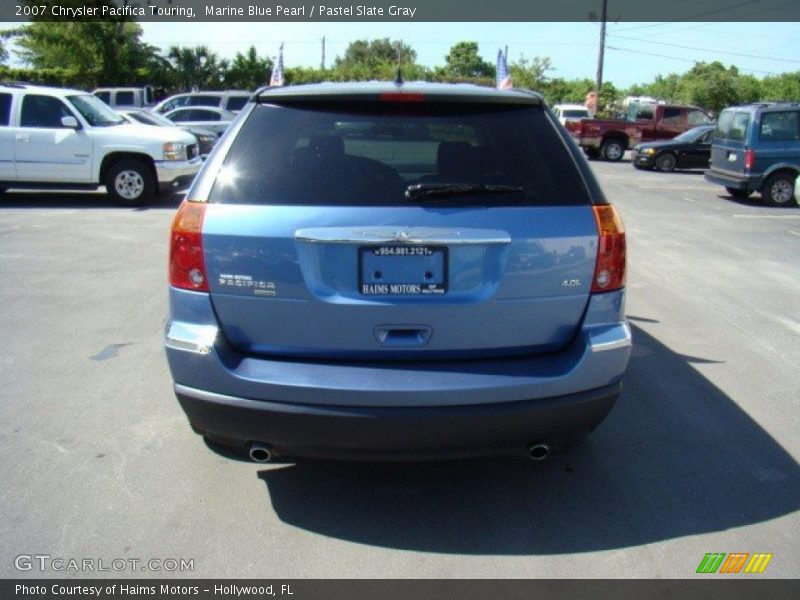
(749, 159)
(187, 265)
(609, 271)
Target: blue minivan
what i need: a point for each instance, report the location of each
(387, 271)
(757, 148)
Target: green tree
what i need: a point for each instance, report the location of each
(558, 90)
(248, 71)
(463, 60)
(665, 88)
(710, 85)
(785, 86)
(3, 52)
(108, 53)
(372, 54)
(197, 67)
(530, 73)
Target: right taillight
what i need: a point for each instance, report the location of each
(609, 271)
(749, 159)
(187, 266)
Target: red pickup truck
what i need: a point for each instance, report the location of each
(610, 138)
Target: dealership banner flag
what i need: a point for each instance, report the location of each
(277, 72)
(503, 75)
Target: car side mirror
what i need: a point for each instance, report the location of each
(70, 122)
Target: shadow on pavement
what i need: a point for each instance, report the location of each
(676, 457)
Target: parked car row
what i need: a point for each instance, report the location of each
(68, 139)
(206, 115)
(757, 149)
(645, 122)
(205, 138)
(144, 97)
(752, 148)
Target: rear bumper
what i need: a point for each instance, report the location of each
(395, 408)
(737, 181)
(353, 432)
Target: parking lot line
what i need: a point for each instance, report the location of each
(651, 186)
(793, 232)
(767, 216)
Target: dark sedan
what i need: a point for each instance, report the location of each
(689, 150)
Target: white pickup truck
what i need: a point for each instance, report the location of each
(52, 138)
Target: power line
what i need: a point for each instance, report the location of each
(691, 60)
(758, 56)
(707, 25)
(704, 14)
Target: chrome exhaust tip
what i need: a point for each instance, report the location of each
(538, 451)
(260, 453)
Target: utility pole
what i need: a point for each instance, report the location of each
(323, 52)
(600, 54)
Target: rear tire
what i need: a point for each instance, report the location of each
(613, 150)
(130, 182)
(778, 189)
(666, 162)
(740, 194)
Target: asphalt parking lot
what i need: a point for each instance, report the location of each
(700, 454)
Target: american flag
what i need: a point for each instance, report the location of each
(277, 71)
(503, 75)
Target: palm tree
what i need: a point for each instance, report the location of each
(197, 66)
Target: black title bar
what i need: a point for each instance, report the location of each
(703, 587)
(399, 10)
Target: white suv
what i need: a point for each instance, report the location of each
(68, 139)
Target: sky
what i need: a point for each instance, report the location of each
(635, 53)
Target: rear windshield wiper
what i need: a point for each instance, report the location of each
(438, 190)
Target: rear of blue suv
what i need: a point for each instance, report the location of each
(756, 148)
(391, 272)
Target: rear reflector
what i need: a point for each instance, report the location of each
(187, 267)
(609, 272)
(401, 97)
(749, 159)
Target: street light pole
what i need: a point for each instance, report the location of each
(600, 54)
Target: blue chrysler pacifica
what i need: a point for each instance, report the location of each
(396, 271)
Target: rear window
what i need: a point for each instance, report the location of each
(639, 112)
(104, 96)
(203, 101)
(732, 125)
(369, 153)
(779, 126)
(575, 114)
(672, 115)
(237, 102)
(125, 98)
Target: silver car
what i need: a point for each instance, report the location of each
(232, 100)
(216, 120)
